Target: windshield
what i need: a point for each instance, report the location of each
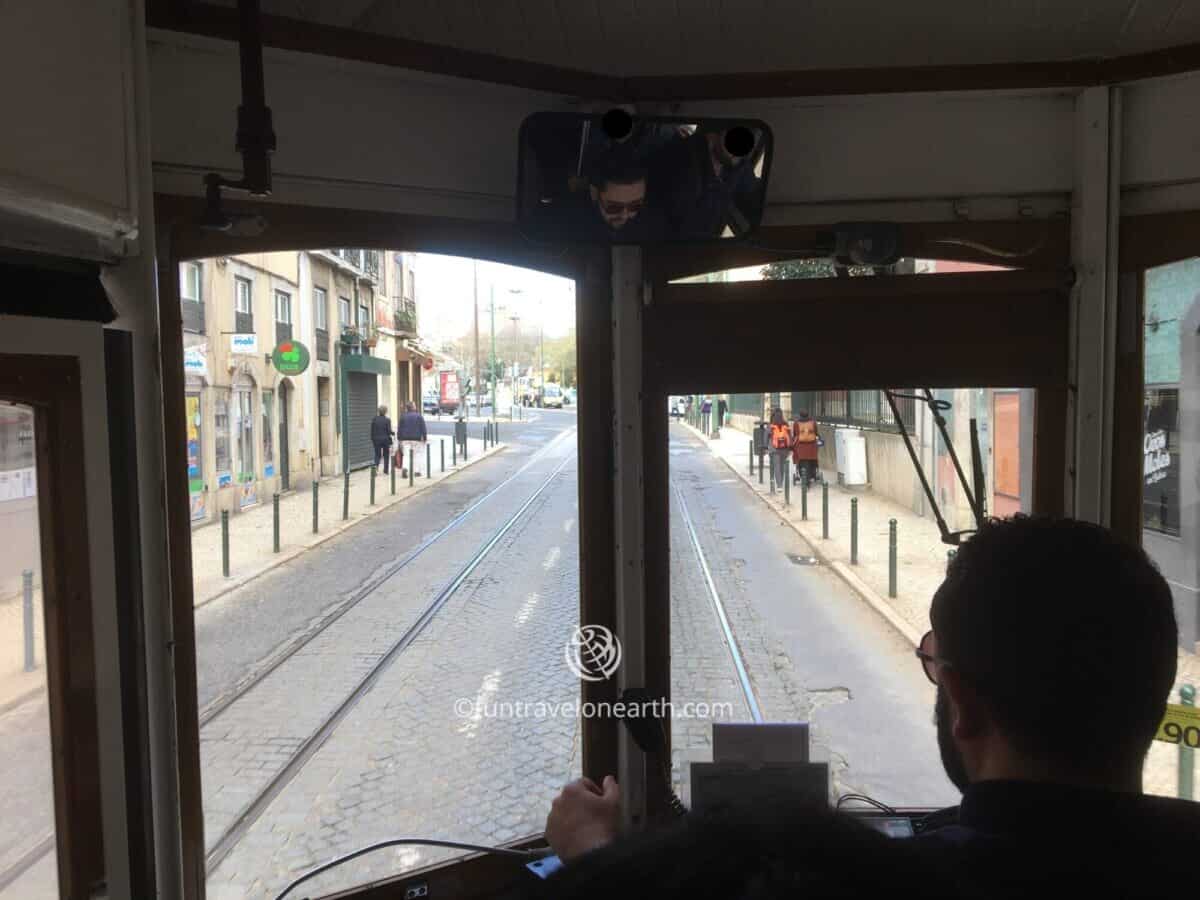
(356, 667)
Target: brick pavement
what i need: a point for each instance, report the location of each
(921, 564)
(251, 532)
(405, 761)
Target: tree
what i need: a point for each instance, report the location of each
(813, 267)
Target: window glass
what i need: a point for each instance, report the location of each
(320, 309)
(1170, 461)
(268, 432)
(303, 757)
(283, 307)
(789, 600)
(189, 281)
(222, 436)
(28, 854)
(241, 291)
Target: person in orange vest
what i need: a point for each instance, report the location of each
(805, 441)
(780, 439)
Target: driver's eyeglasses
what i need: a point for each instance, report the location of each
(929, 661)
(613, 208)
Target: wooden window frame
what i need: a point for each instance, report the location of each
(51, 386)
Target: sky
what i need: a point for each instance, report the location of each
(446, 292)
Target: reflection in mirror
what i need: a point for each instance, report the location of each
(616, 179)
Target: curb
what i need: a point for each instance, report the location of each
(241, 581)
(21, 699)
(839, 568)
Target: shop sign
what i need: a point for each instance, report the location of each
(243, 343)
(290, 358)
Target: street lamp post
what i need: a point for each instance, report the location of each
(516, 352)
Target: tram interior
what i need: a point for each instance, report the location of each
(598, 251)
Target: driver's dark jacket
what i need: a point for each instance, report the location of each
(1024, 839)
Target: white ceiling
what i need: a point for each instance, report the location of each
(627, 38)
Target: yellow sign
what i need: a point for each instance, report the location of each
(1181, 725)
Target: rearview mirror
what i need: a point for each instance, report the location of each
(620, 179)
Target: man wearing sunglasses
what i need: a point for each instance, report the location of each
(1053, 649)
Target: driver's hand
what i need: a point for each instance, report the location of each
(583, 816)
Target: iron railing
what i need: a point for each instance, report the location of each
(857, 409)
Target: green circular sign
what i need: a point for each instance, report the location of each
(290, 358)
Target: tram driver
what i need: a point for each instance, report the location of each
(1053, 648)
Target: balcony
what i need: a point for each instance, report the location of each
(404, 321)
(283, 332)
(366, 262)
(322, 348)
(243, 323)
(193, 316)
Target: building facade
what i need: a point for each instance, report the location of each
(254, 431)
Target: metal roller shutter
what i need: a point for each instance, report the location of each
(362, 403)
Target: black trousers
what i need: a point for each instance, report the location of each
(382, 450)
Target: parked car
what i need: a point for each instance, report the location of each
(552, 396)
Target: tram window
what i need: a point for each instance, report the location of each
(809, 616)
(28, 855)
(1170, 526)
(402, 671)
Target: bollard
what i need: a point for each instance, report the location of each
(804, 497)
(393, 477)
(496, 431)
(373, 473)
(410, 468)
(854, 531)
(464, 446)
(453, 452)
(346, 497)
(825, 510)
(949, 559)
(428, 461)
(752, 456)
(442, 448)
(760, 467)
(316, 485)
(1187, 696)
(275, 517)
(891, 557)
(771, 474)
(225, 542)
(27, 617)
(787, 482)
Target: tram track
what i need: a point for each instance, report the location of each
(232, 835)
(298, 642)
(735, 654)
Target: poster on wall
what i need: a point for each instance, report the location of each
(194, 459)
(449, 391)
(1160, 461)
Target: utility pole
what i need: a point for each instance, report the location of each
(541, 357)
(475, 271)
(516, 352)
(492, 373)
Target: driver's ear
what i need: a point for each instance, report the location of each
(969, 717)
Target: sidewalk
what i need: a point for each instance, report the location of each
(251, 533)
(920, 563)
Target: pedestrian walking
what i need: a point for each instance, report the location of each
(381, 438)
(411, 434)
(722, 410)
(781, 446)
(805, 443)
(706, 414)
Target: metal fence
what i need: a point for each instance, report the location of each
(746, 404)
(858, 409)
